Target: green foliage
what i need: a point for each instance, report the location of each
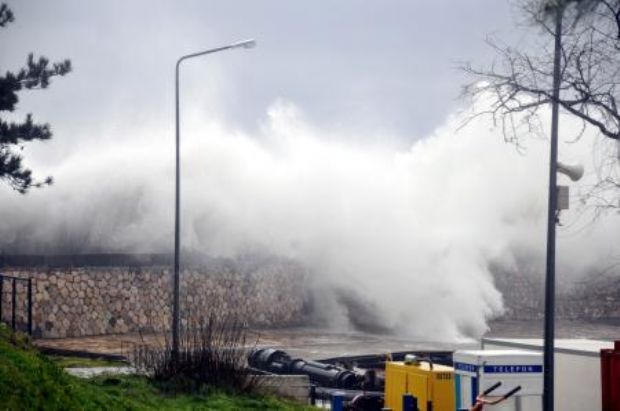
(77, 362)
(36, 75)
(150, 397)
(30, 381)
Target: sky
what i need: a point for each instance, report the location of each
(335, 142)
(390, 67)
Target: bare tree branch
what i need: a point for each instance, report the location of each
(519, 83)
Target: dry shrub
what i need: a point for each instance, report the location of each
(212, 353)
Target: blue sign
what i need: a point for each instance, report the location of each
(512, 369)
(461, 366)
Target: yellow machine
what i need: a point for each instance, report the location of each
(432, 385)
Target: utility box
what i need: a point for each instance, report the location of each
(577, 369)
(563, 198)
(478, 370)
(610, 377)
(431, 385)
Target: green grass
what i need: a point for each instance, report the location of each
(30, 381)
(78, 362)
(149, 396)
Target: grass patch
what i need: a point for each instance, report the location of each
(30, 381)
(150, 396)
(79, 362)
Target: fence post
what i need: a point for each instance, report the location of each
(410, 403)
(312, 394)
(13, 298)
(1, 294)
(30, 306)
(337, 402)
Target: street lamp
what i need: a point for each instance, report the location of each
(176, 319)
(549, 332)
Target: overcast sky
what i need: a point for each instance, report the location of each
(384, 67)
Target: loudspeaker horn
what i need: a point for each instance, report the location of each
(574, 172)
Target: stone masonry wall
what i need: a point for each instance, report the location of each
(594, 298)
(71, 302)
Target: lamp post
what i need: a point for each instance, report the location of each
(176, 319)
(549, 335)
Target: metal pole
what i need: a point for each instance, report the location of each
(13, 297)
(176, 315)
(176, 320)
(30, 306)
(551, 223)
(1, 294)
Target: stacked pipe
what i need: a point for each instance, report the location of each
(324, 375)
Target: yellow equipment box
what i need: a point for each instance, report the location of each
(432, 385)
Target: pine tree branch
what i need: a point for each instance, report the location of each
(8, 93)
(15, 174)
(15, 133)
(36, 74)
(6, 15)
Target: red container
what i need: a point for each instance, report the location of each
(610, 378)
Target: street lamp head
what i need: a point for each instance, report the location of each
(246, 44)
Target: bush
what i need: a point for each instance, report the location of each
(212, 353)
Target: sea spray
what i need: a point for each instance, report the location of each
(395, 240)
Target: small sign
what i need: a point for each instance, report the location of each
(512, 369)
(461, 366)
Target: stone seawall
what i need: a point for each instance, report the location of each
(81, 301)
(71, 302)
(593, 298)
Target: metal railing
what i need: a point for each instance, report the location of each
(12, 283)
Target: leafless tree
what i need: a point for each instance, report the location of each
(519, 83)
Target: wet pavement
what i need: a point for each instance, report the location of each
(116, 344)
(316, 343)
(308, 343)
